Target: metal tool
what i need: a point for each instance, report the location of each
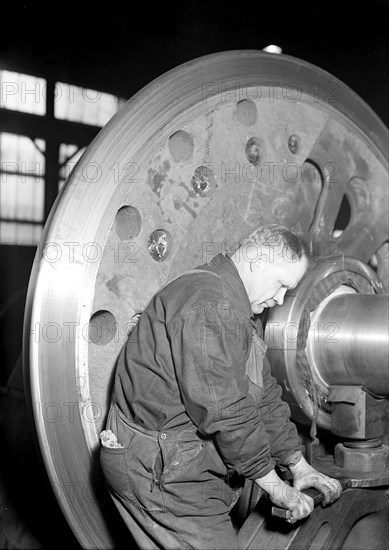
(317, 497)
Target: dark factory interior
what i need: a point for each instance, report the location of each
(49, 53)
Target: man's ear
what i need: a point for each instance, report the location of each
(257, 263)
(255, 255)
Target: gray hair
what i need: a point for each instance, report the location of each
(278, 237)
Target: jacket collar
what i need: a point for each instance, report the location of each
(225, 267)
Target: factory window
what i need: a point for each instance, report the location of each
(68, 158)
(22, 92)
(84, 105)
(46, 127)
(22, 172)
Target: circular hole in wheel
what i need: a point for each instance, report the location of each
(181, 146)
(102, 328)
(128, 223)
(246, 112)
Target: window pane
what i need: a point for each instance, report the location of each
(84, 105)
(22, 197)
(21, 154)
(22, 92)
(71, 152)
(8, 194)
(20, 233)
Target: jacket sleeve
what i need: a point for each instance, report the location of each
(209, 348)
(285, 445)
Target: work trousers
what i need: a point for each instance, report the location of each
(171, 487)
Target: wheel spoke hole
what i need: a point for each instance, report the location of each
(311, 184)
(128, 223)
(181, 146)
(343, 218)
(102, 328)
(246, 112)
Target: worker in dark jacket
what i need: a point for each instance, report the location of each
(195, 409)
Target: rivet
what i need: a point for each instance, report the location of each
(159, 245)
(294, 144)
(203, 181)
(253, 150)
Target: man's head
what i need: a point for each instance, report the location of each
(271, 261)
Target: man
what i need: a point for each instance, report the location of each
(195, 409)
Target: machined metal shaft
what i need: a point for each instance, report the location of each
(349, 343)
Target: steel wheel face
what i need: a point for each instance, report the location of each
(191, 165)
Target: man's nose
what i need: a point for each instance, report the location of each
(279, 297)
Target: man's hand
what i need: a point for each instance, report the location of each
(305, 476)
(283, 495)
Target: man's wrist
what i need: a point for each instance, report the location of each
(289, 459)
(270, 483)
(297, 465)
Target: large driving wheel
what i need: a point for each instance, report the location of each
(191, 165)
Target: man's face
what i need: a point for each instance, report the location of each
(271, 279)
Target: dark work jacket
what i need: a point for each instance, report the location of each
(185, 364)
